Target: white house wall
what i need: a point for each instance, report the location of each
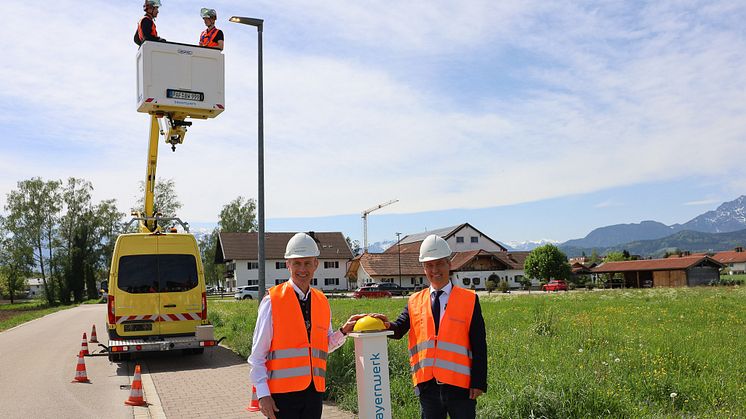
(512, 276)
(467, 233)
(246, 276)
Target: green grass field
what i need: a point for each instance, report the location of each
(12, 315)
(618, 353)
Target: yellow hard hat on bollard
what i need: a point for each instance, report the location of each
(369, 324)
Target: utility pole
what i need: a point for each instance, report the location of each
(398, 249)
(365, 221)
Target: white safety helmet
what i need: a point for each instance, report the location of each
(211, 13)
(301, 246)
(433, 248)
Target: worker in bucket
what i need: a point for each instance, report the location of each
(447, 340)
(292, 338)
(146, 27)
(211, 37)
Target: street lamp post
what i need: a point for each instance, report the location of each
(259, 24)
(398, 249)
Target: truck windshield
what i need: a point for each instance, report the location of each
(157, 273)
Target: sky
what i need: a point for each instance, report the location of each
(528, 119)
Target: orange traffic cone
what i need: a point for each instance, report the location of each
(136, 398)
(80, 374)
(254, 405)
(84, 345)
(94, 339)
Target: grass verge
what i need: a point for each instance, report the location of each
(11, 315)
(617, 353)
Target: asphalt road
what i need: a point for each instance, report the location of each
(37, 365)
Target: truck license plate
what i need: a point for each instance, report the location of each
(138, 327)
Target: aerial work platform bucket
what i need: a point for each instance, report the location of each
(184, 81)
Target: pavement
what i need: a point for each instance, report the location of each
(212, 385)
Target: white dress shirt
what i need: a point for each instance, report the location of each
(443, 298)
(263, 339)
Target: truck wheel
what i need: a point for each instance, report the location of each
(247, 297)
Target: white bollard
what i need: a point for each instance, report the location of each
(372, 371)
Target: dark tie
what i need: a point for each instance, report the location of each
(436, 309)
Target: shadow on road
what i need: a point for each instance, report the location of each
(212, 358)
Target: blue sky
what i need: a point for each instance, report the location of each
(531, 120)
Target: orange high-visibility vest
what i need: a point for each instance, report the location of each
(153, 31)
(292, 362)
(207, 38)
(447, 355)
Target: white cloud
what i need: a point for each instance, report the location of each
(611, 95)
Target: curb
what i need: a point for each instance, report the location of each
(154, 409)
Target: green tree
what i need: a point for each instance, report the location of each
(165, 200)
(76, 237)
(33, 209)
(207, 246)
(547, 262)
(16, 261)
(107, 223)
(238, 216)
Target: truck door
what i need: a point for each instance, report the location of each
(179, 272)
(136, 297)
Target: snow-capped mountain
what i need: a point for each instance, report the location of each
(729, 216)
(529, 244)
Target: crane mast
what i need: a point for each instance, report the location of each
(365, 221)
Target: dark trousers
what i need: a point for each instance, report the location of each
(299, 404)
(437, 400)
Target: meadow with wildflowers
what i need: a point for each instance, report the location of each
(674, 352)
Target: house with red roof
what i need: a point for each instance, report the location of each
(676, 271)
(734, 259)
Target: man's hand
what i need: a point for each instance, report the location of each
(383, 318)
(350, 325)
(267, 407)
(474, 393)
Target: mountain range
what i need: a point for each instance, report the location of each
(719, 229)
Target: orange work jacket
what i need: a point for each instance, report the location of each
(292, 362)
(153, 31)
(207, 38)
(447, 355)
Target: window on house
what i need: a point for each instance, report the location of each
(315, 281)
(474, 239)
(331, 265)
(253, 282)
(280, 265)
(459, 239)
(331, 281)
(253, 265)
(477, 281)
(413, 280)
(279, 281)
(467, 281)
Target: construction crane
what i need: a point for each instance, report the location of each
(365, 220)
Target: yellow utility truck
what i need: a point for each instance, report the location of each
(157, 299)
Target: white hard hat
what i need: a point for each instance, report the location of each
(301, 246)
(434, 247)
(211, 13)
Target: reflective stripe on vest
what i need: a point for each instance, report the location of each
(207, 38)
(445, 357)
(153, 31)
(293, 362)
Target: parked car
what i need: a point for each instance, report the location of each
(394, 289)
(250, 292)
(555, 285)
(370, 292)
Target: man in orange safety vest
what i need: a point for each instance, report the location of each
(447, 340)
(293, 337)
